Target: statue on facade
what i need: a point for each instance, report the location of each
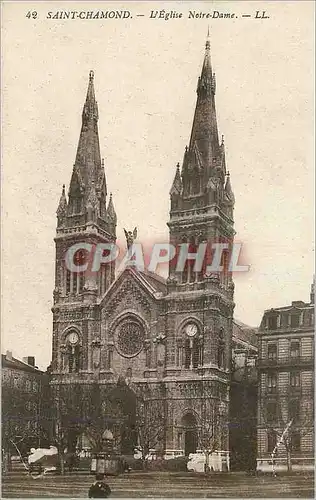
(130, 237)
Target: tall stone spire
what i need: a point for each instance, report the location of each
(204, 148)
(87, 165)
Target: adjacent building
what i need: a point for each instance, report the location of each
(25, 420)
(243, 398)
(286, 384)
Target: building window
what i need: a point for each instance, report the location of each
(295, 320)
(285, 320)
(28, 386)
(294, 410)
(221, 354)
(272, 352)
(295, 349)
(272, 411)
(195, 353)
(191, 262)
(295, 379)
(73, 359)
(68, 281)
(81, 282)
(148, 357)
(272, 382)
(307, 318)
(272, 323)
(295, 441)
(110, 358)
(179, 356)
(272, 441)
(179, 440)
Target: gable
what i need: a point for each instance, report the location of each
(131, 286)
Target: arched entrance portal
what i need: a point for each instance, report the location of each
(190, 433)
(119, 411)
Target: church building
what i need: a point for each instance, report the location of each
(145, 358)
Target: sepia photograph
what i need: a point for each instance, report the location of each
(157, 249)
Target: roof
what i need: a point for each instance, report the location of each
(16, 364)
(154, 284)
(245, 333)
(158, 282)
(296, 304)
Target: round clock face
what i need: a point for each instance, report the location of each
(72, 337)
(191, 329)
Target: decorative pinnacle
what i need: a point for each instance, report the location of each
(91, 76)
(222, 140)
(208, 45)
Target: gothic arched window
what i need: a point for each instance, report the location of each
(191, 262)
(73, 359)
(187, 353)
(72, 352)
(221, 349)
(195, 353)
(193, 349)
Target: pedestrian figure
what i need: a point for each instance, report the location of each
(99, 489)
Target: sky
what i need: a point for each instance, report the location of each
(146, 74)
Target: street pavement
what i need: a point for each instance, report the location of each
(163, 485)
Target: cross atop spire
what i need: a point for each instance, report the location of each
(90, 109)
(207, 44)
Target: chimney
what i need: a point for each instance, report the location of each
(8, 355)
(312, 295)
(29, 360)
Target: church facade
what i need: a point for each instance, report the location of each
(147, 358)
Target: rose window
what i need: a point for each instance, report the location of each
(130, 339)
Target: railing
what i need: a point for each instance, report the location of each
(288, 390)
(288, 360)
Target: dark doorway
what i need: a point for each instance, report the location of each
(120, 415)
(190, 442)
(190, 433)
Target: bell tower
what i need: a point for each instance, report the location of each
(199, 303)
(84, 219)
(202, 200)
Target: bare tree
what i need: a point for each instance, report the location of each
(22, 422)
(287, 423)
(150, 421)
(210, 428)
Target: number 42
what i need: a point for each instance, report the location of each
(30, 14)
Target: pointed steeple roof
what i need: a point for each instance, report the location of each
(204, 144)
(62, 206)
(176, 187)
(111, 211)
(228, 189)
(88, 158)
